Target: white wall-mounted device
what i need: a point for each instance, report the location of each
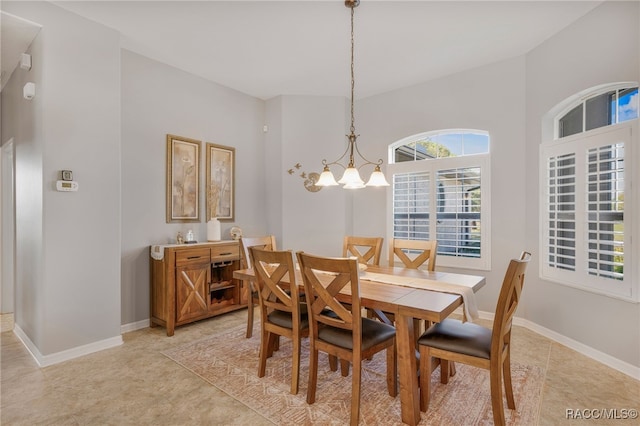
(66, 186)
(29, 91)
(25, 61)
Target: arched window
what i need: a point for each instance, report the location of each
(439, 144)
(587, 206)
(604, 107)
(440, 191)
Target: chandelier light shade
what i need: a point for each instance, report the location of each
(351, 178)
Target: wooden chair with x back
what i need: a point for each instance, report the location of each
(414, 253)
(472, 344)
(339, 329)
(366, 249)
(280, 308)
(268, 243)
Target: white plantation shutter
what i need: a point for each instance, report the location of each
(445, 199)
(605, 211)
(561, 211)
(583, 219)
(459, 216)
(411, 206)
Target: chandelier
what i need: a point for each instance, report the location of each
(351, 177)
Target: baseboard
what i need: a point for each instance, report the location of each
(603, 358)
(47, 360)
(133, 326)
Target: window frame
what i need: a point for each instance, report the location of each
(432, 166)
(579, 144)
(581, 99)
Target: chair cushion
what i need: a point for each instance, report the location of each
(455, 336)
(283, 319)
(373, 332)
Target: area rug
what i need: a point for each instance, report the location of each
(229, 362)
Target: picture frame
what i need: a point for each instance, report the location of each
(183, 179)
(220, 182)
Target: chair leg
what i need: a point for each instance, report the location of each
(425, 377)
(392, 371)
(417, 329)
(333, 363)
(313, 375)
(508, 388)
(295, 368)
(250, 320)
(444, 371)
(496, 394)
(250, 309)
(272, 344)
(344, 367)
(355, 390)
(264, 352)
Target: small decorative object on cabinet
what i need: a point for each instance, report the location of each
(235, 232)
(193, 282)
(213, 230)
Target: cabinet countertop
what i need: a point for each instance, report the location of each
(157, 250)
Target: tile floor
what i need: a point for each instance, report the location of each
(135, 384)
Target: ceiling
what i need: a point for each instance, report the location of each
(270, 48)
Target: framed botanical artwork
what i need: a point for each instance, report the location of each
(183, 179)
(220, 169)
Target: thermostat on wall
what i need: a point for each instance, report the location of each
(66, 185)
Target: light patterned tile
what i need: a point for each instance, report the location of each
(135, 384)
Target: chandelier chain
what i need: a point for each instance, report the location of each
(351, 178)
(353, 81)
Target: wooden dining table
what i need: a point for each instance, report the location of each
(407, 303)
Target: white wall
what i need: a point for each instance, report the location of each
(19, 118)
(158, 100)
(311, 128)
(7, 228)
(67, 244)
(273, 165)
(22, 121)
(82, 258)
(602, 47)
(489, 98)
(304, 130)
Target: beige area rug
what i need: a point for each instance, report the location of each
(229, 362)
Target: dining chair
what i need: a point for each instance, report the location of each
(280, 308)
(371, 249)
(339, 329)
(267, 242)
(414, 253)
(472, 344)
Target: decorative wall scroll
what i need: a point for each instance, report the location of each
(183, 179)
(220, 169)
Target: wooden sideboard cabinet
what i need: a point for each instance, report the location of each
(190, 282)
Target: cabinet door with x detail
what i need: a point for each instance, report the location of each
(192, 287)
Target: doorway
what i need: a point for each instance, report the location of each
(7, 236)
